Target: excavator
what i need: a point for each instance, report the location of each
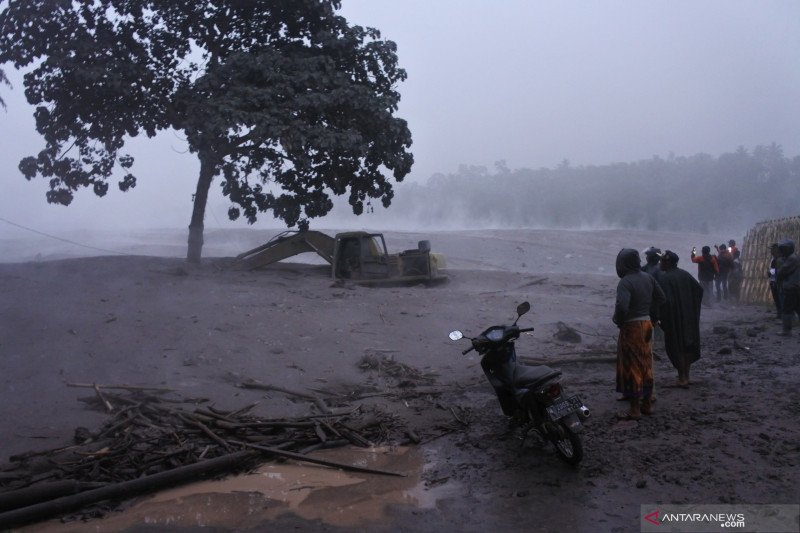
(356, 256)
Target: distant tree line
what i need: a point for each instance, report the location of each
(699, 193)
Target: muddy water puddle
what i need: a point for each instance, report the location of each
(311, 492)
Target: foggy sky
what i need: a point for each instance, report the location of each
(531, 83)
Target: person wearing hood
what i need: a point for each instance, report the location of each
(639, 298)
(788, 278)
(775, 265)
(680, 316)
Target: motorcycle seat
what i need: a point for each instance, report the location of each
(526, 377)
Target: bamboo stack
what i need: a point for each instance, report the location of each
(756, 255)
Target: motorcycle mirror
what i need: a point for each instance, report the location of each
(456, 335)
(523, 308)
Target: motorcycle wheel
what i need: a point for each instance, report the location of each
(568, 445)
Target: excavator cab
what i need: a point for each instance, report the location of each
(360, 255)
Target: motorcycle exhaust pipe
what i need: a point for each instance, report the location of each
(583, 412)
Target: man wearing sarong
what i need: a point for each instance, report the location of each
(680, 316)
(638, 295)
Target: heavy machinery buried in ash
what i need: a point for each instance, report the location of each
(357, 256)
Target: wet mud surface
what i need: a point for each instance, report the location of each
(731, 437)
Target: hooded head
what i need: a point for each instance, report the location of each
(786, 247)
(669, 260)
(706, 250)
(628, 262)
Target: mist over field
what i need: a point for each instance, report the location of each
(665, 116)
(717, 196)
(698, 194)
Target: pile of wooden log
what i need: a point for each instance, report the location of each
(152, 440)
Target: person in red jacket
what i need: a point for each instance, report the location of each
(725, 265)
(707, 269)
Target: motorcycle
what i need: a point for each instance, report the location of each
(531, 395)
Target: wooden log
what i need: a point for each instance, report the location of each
(123, 490)
(43, 492)
(319, 402)
(213, 436)
(354, 437)
(567, 361)
(132, 388)
(320, 433)
(315, 460)
(324, 445)
(253, 384)
(331, 428)
(214, 414)
(106, 403)
(256, 424)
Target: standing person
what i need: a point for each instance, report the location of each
(707, 269)
(637, 292)
(774, 265)
(724, 264)
(736, 277)
(788, 278)
(680, 316)
(652, 256)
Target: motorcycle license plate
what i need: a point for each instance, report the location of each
(563, 408)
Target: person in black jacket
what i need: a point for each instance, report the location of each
(788, 278)
(774, 265)
(637, 292)
(680, 316)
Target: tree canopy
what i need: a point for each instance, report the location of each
(283, 100)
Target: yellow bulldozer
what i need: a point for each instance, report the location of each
(357, 256)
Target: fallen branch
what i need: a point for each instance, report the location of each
(315, 460)
(253, 384)
(213, 436)
(131, 388)
(568, 361)
(106, 403)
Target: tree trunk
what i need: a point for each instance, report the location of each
(207, 168)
